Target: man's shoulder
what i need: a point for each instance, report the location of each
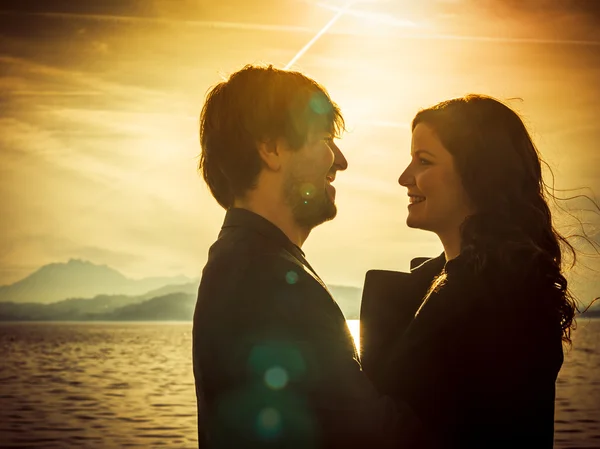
(243, 260)
(242, 249)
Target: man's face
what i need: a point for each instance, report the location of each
(308, 179)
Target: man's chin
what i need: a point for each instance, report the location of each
(332, 213)
(312, 214)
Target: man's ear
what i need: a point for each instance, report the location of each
(270, 153)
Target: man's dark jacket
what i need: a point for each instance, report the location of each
(274, 362)
(477, 361)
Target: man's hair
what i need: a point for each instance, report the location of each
(258, 104)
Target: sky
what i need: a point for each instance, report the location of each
(100, 103)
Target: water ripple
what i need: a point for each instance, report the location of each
(120, 385)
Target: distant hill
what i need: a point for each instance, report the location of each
(348, 298)
(190, 288)
(79, 279)
(171, 302)
(80, 291)
(171, 307)
(591, 314)
(180, 307)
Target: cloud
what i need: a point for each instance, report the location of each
(132, 20)
(587, 8)
(25, 144)
(98, 126)
(18, 255)
(506, 40)
(372, 17)
(385, 19)
(68, 79)
(100, 47)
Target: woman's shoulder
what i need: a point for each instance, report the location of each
(495, 272)
(385, 285)
(499, 288)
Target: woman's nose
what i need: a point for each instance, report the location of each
(406, 178)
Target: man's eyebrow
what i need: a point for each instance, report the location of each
(418, 152)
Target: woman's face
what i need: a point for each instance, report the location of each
(438, 201)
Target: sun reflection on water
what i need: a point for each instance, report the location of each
(354, 326)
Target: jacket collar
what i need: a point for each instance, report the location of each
(425, 266)
(237, 217)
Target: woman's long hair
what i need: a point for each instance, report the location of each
(501, 171)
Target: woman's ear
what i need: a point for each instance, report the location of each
(270, 153)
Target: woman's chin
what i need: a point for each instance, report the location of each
(411, 222)
(415, 223)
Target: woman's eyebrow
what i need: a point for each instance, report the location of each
(419, 152)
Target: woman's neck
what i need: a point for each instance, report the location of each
(452, 243)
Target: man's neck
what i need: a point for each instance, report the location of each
(278, 214)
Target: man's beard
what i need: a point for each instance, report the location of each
(310, 206)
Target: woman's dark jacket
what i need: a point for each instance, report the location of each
(477, 361)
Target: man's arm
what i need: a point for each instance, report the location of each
(287, 372)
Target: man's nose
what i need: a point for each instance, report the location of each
(339, 161)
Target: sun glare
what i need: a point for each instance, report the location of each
(354, 326)
(369, 19)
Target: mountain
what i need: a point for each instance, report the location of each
(592, 313)
(190, 288)
(180, 306)
(66, 310)
(170, 302)
(171, 307)
(348, 298)
(79, 279)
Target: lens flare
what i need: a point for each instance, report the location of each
(276, 378)
(307, 190)
(269, 423)
(291, 277)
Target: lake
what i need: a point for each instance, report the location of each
(116, 385)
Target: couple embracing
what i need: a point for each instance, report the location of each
(462, 352)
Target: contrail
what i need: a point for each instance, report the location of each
(323, 30)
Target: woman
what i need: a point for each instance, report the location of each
(472, 340)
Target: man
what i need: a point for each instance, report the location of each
(274, 362)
